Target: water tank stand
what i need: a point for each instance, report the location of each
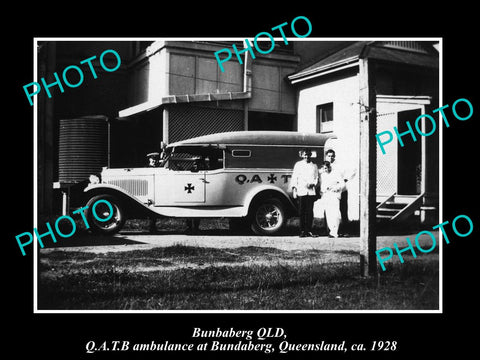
(65, 190)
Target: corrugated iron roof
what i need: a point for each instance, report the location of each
(403, 56)
(367, 49)
(351, 51)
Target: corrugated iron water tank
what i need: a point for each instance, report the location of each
(83, 147)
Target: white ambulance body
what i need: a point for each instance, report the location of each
(244, 175)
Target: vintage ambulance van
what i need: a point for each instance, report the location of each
(244, 175)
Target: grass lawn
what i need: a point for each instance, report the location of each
(249, 278)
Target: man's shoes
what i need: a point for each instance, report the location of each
(307, 234)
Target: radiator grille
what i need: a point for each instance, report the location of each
(134, 187)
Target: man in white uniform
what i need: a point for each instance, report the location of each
(304, 180)
(331, 185)
(345, 176)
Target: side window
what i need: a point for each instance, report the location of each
(241, 153)
(325, 118)
(195, 159)
(314, 154)
(214, 159)
(183, 161)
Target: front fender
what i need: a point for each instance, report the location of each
(106, 187)
(133, 206)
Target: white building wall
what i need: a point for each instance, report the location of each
(344, 94)
(157, 76)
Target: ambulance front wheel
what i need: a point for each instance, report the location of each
(105, 214)
(267, 217)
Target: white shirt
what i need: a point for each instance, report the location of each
(331, 182)
(305, 177)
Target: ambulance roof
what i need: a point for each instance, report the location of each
(258, 138)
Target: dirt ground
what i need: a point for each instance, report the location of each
(140, 240)
(86, 264)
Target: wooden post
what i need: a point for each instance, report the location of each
(368, 169)
(166, 125)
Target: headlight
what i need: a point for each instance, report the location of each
(94, 179)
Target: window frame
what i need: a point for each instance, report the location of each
(320, 123)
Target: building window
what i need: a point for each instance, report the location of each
(325, 118)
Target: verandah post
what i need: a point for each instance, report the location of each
(368, 168)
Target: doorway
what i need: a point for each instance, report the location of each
(409, 156)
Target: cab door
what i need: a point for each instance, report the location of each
(189, 187)
(180, 188)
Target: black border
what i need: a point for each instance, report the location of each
(418, 334)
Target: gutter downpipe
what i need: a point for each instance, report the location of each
(247, 88)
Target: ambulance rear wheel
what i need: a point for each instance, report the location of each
(105, 214)
(267, 217)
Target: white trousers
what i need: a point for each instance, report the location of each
(328, 207)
